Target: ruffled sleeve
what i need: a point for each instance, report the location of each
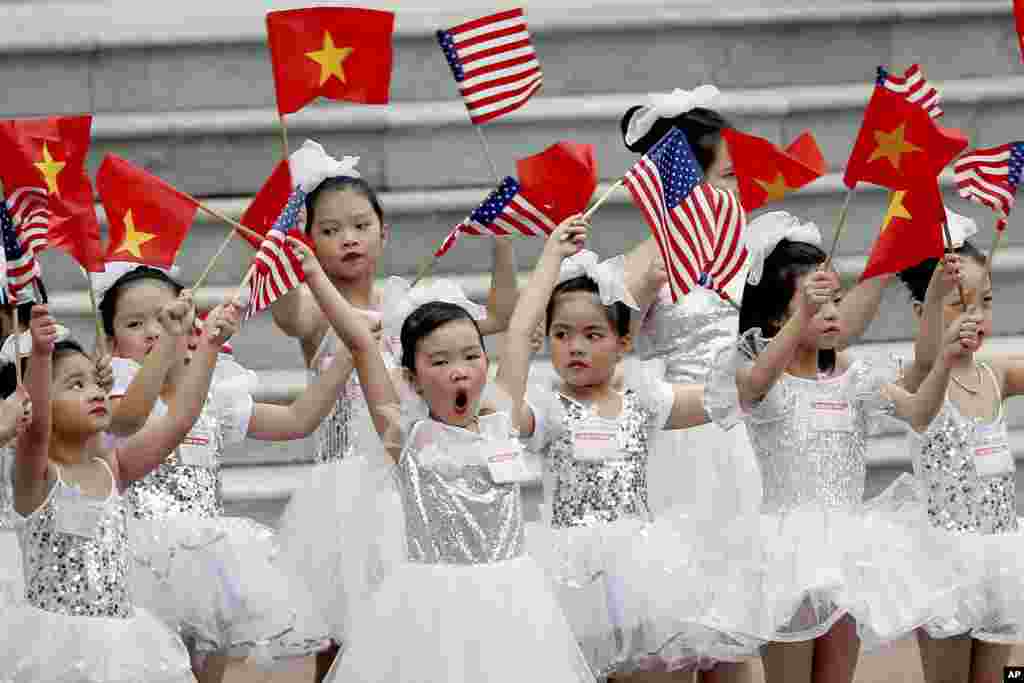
(656, 395)
(721, 394)
(547, 416)
(232, 402)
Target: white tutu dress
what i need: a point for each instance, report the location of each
(967, 475)
(216, 578)
(12, 583)
(77, 622)
(817, 551)
(467, 604)
(323, 532)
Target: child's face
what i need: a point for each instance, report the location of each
(825, 329)
(80, 404)
(584, 347)
(451, 370)
(977, 293)
(720, 174)
(136, 323)
(347, 235)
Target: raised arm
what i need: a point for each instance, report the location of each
(564, 241)
(501, 300)
(352, 328)
(687, 407)
(33, 446)
(645, 275)
(928, 341)
(859, 307)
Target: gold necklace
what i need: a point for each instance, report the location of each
(972, 392)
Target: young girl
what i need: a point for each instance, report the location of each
(467, 604)
(966, 471)
(820, 557)
(210, 575)
(78, 621)
(320, 535)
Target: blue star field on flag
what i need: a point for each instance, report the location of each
(677, 166)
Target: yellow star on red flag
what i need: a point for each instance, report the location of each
(133, 239)
(892, 145)
(50, 168)
(896, 210)
(776, 189)
(330, 59)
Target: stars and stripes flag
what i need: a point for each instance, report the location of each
(29, 209)
(505, 212)
(276, 268)
(990, 176)
(494, 63)
(914, 86)
(698, 228)
(20, 268)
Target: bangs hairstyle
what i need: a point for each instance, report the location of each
(108, 306)
(339, 184)
(702, 128)
(766, 304)
(916, 278)
(9, 377)
(617, 313)
(424, 320)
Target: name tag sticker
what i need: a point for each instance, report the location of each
(593, 443)
(198, 448)
(831, 416)
(992, 454)
(506, 461)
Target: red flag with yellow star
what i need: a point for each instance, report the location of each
(899, 144)
(911, 230)
(268, 203)
(341, 53)
(1018, 13)
(148, 218)
(765, 173)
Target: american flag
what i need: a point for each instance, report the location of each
(493, 62)
(913, 85)
(29, 209)
(20, 266)
(990, 176)
(698, 228)
(276, 268)
(504, 212)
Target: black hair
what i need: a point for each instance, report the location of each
(702, 128)
(108, 305)
(766, 304)
(9, 377)
(916, 278)
(425, 320)
(338, 184)
(617, 313)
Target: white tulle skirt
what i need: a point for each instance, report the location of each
(219, 582)
(432, 623)
(12, 581)
(43, 647)
(342, 531)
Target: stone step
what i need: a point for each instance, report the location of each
(125, 56)
(432, 146)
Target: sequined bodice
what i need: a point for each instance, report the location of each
(958, 498)
(7, 514)
(188, 482)
(454, 511)
(73, 574)
(810, 439)
(583, 493)
(347, 430)
(687, 335)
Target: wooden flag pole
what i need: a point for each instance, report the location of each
(603, 198)
(284, 136)
(487, 154)
(230, 221)
(949, 249)
(840, 224)
(15, 326)
(1000, 229)
(209, 266)
(101, 338)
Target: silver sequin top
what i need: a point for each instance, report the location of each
(958, 498)
(687, 335)
(77, 575)
(809, 435)
(7, 514)
(580, 492)
(454, 512)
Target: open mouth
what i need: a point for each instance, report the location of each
(351, 258)
(578, 365)
(98, 411)
(461, 401)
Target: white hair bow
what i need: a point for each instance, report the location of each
(114, 271)
(407, 299)
(765, 232)
(21, 344)
(961, 228)
(668, 106)
(311, 165)
(609, 275)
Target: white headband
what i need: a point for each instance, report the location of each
(609, 275)
(765, 232)
(407, 299)
(961, 228)
(115, 270)
(667, 106)
(311, 165)
(24, 342)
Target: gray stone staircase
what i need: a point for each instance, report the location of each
(185, 90)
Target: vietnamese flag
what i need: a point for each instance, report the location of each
(1018, 13)
(765, 173)
(341, 53)
(560, 180)
(899, 144)
(78, 234)
(911, 230)
(148, 218)
(268, 203)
